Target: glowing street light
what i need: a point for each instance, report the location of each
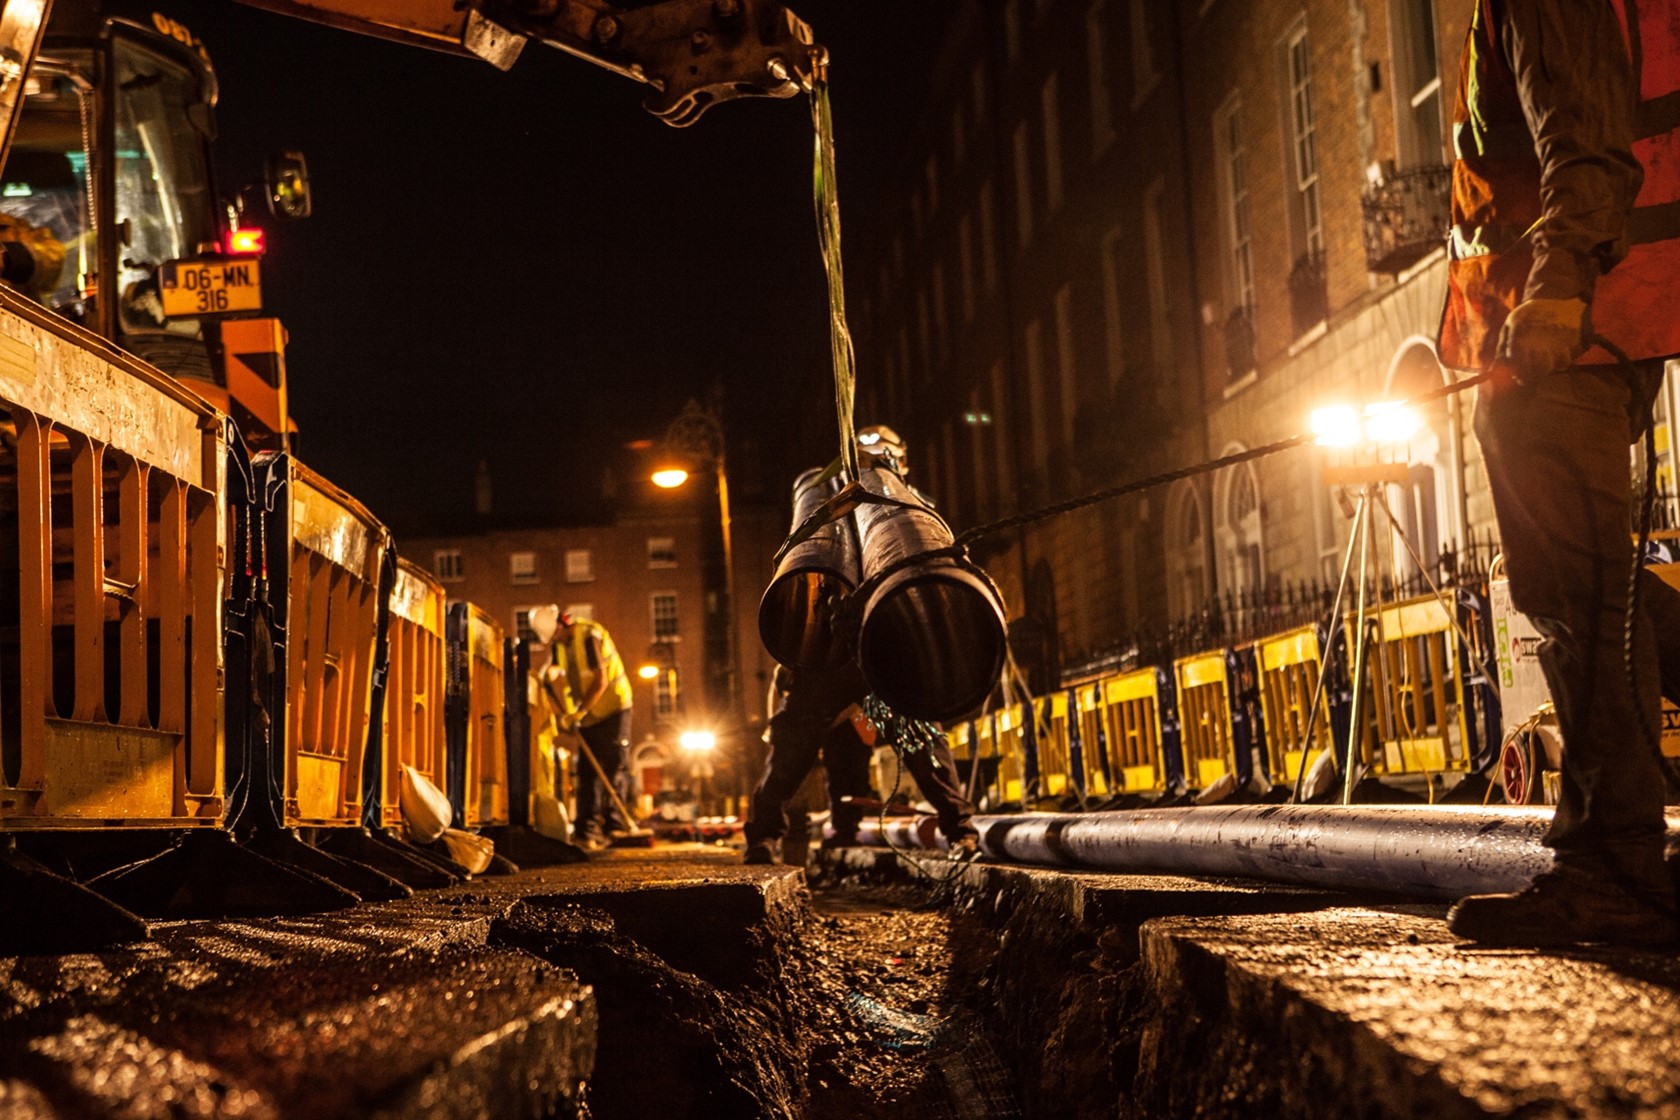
(648, 672)
(669, 478)
(697, 742)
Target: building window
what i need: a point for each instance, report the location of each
(1155, 268)
(580, 566)
(1115, 268)
(1241, 570)
(1186, 545)
(522, 567)
(977, 89)
(1001, 447)
(1012, 29)
(1096, 64)
(1023, 186)
(664, 607)
(1049, 100)
(584, 612)
(941, 336)
(952, 490)
(665, 694)
(965, 265)
(1144, 74)
(924, 330)
(1417, 83)
(662, 552)
(988, 236)
(979, 421)
(1233, 168)
(449, 566)
(1034, 346)
(1065, 363)
(1309, 221)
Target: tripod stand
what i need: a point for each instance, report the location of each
(1372, 481)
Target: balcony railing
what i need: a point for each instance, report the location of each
(1406, 216)
(1239, 343)
(1309, 299)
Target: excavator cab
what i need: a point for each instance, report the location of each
(109, 213)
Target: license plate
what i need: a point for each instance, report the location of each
(193, 288)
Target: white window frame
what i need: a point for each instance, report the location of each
(1033, 344)
(1162, 351)
(1231, 153)
(1301, 129)
(1067, 371)
(656, 600)
(1113, 321)
(667, 692)
(1050, 105)
(1002, 427)
(1096, 66)
(522, 567)
(580, 565)
(1021, 146)
(449, 565)
(662, 552)
(965, 266)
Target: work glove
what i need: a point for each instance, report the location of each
(1544, 336)
(569, 722)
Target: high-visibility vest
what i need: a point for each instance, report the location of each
(1496, 198)
(574, 662)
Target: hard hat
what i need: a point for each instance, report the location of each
(544, 621)
(881, 442)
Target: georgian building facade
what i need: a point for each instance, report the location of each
(1134, 236)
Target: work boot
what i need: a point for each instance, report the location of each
(762, 852)
(591, 840)
(964, 849)
(1564, 906)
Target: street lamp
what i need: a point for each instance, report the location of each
(696, 437)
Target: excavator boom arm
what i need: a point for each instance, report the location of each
(692, 53)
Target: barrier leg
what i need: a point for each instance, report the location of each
(283, 845)
(207, 875)
(62, 916)
(385, 853)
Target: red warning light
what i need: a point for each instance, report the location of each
(245, 242)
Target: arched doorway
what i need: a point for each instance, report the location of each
(1238, 542)
(1430, 506)
(1186, 544)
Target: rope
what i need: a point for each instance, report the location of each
(825, 192)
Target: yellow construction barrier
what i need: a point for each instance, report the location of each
(336, 550)
(1289, 668)
(414, 688)
(1204, 709)
(1132, 707)
(1008, 729)
(485, 765)
(1413, 715)
(1055, 755)
(1096, 771)
(112, 480)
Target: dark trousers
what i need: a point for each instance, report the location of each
(608, 740)
(1557, 461)
(797, 733)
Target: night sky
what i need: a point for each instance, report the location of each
(526, 267)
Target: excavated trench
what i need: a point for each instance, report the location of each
(949, 993)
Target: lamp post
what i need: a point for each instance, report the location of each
(697, 436)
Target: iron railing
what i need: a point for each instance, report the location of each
(1406, 217)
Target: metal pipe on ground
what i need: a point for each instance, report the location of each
(932, 640)
(1432, 852)
(796, 617)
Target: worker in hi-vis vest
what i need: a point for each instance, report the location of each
(585, 680)
(1566, 234)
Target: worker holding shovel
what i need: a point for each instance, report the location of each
(586, 682)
